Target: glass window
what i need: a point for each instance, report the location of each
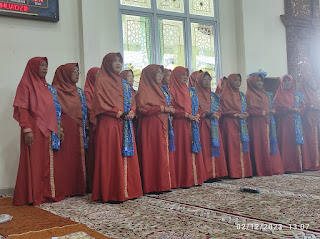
(136, 3)
(203, 49)
(136, 44)
(171, 5)
(171, 43)
(168, 35)
(201, 7)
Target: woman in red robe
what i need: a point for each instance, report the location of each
(289, 105)
(264, 150)
(220, 85)
(188, 156)
(35, 110)
(310, 121)
(70, 159)
(193, 78)
(166, 77)
(156, 169)
(116, 175)
(165, 89)
(209, 104)
(234, 128)
(88, 91)
(128, 76)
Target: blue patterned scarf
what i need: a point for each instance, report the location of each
(127, 146)
(166, 94)
(243, 125)
(215, 141)
(298, 98)
(273, 128)
(84, 116)
(55, 139)
(195, 142)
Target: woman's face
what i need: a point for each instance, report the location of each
(237, 82)
(75, 75)
(117, 65)
(159, 76)
(259, 83)
(43, 69)
(166, 78)
(184, 77)
(287, 84)
(206, 82)
(130, 78)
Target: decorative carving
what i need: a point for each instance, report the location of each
(302, 22)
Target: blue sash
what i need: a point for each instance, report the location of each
(273, 128)
(215, 141)
(127, 145)
(195, 142)
(243, 125)
(171, 134)
(298, 98)
(84, 116)
(55, 139)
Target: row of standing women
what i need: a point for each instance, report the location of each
(185, 135)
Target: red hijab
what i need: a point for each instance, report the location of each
(89, 85)
(34, 95)
(165, 72)
(310, 98)
(124, 74)
(179, 90)
(283, 97)
(219, 86)
(150, 93)
(230, 102)
(310, 92)
(256, 98)
(108, 92)
(204, 95)
(193, 78)
(68, 95)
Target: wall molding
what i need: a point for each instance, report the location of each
(6, 192)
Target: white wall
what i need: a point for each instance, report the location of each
(252, 37)
(228, 37)
(21, 40)
(264, 36)
(100, 30)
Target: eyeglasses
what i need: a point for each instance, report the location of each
(76, 71)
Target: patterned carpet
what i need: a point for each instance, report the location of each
(34, 223)
(287, 207)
